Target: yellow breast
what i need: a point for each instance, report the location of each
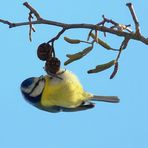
(67, 92)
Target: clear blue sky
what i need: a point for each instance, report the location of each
(123, 125)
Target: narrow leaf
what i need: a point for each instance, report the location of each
(72, 41)
(102, 67)
(77, 56)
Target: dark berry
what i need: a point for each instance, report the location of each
(44, 51)
(52, 65)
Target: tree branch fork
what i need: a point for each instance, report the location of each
(100, 26)
(115, 29)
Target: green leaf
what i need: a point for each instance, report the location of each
(77, 56)
(102, 67)
(72, 41)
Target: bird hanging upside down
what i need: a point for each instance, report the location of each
(61, 93)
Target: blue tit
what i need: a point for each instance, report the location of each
(62, 92)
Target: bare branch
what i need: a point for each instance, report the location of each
(84, 26)
(122, 46)
(57, 36)
(115, 28)
(5, 22)
(32, 10)
(114, 71)
(116, 65)
(106, 20)
(131, 8)
(30, 26)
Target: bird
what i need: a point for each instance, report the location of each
(62, 92)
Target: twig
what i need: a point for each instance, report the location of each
(116, 29)
(115, 70)
(83, 25)
(32, 10)
(57, 36)
(132, 11)
(122, 46)
(5, 22)
(106, 20)
(116, 25)
(30, 26)
(116, 65)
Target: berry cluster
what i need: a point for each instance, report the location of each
(45, 53)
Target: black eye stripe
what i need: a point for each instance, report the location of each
(36, 84)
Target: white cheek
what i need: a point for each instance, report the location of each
(29, 89)
(38, 90)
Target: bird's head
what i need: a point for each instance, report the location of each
(32, 89)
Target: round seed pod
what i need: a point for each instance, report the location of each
(52, 65)
(44, 51)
